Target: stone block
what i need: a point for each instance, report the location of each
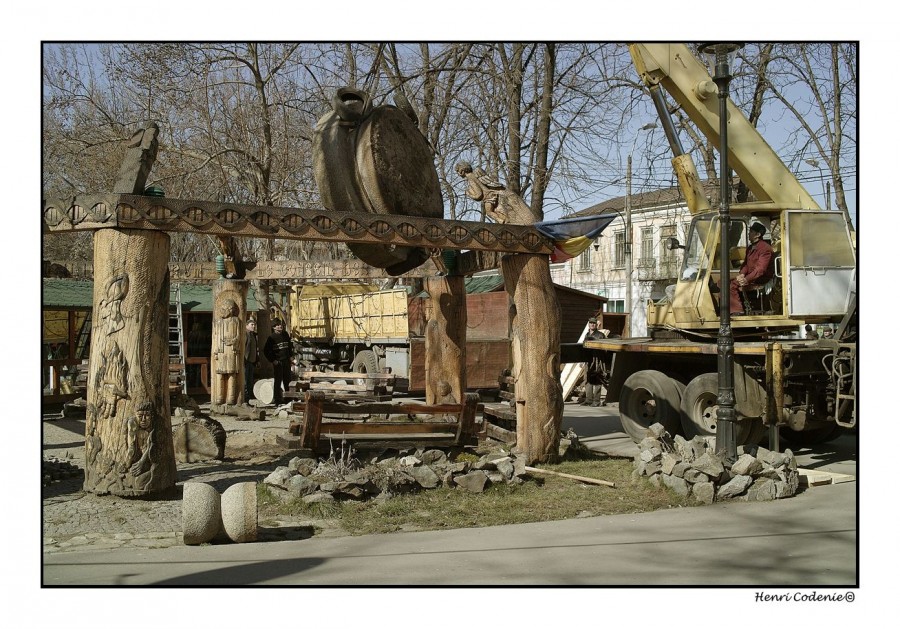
(761, 490)
(746, 465)
(657, 431)
(319, 496)
(652, 454)
(679, 469)
(735, 487)
(676, 484)
(201, 513)
(280, 476)
(474, 481)
(302, 486)
(704, 492)
(425, 476)
(433, 456)
(668, 461)
(695, 476)
(506, 467)
(655, 480)
(648, 443)
(651, 468)
(709, 464)
(239, 512)
(302, 465)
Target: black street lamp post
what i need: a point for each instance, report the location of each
(726, 425)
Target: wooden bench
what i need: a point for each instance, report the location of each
(341, 385)
(498, 421)
(434, 425)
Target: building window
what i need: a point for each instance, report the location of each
(620, 249)
(667, 257)
(647, 256)
(615, 305)
(584, 260)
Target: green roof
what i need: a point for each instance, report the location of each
(64, 294)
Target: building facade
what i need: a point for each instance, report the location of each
(601, 269)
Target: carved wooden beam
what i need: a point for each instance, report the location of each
(127, 211)
(467, 263)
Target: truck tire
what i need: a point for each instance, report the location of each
(698, 412)
(365, 362)
(649, 397)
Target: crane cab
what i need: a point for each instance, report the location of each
(813, 273)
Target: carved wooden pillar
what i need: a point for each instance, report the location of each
(228, 330)
(128, 429)
(445, 340)
(535, 319)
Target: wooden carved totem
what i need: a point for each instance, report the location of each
(445, 341)
(535, 322)
(128, 429)
(227, 359)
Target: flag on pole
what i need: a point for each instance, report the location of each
(571, 236)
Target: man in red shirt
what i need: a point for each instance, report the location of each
(757, 268)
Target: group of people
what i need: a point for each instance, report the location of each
(278, 350)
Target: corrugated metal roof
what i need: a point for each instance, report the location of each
(483, 283)
(67, 293)
(64, 293)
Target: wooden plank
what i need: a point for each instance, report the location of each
(582, 479)
(345, 375)
(388, 428)
(500, 434)
(816, 478)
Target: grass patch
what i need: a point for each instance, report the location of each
(541, 498)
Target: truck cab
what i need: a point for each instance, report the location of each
(814, 273)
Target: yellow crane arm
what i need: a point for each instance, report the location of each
(686, 79)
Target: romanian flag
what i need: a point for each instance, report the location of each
(571, 236)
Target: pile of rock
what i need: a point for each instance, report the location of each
(54, 469)
(692, 468)
(391, 473)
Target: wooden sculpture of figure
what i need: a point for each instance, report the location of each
(228, 325)
(534, 323)
(139, 429)
(499, 203)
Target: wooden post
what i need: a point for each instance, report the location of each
(535, 323)
(465, 432)
(312, 420)
(128, 428)
(535, 319)
(227, 353)
(445, 340)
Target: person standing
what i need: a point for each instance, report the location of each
(279, 351)
(811, 334)
(251, 359)
(596, 371)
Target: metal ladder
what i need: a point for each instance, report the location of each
(176, 334)
(82, 343)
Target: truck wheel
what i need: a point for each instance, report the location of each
(649, 397)
(698, 412)
(365, 362)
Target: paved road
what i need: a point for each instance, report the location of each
(807, 540)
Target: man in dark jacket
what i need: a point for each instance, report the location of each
(279, 351)
(251, 358)
(756, 270)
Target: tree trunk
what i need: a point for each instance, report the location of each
(535, 318)
(445, 341)
(128, 428)
(227, 356)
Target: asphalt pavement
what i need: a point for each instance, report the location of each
(807, 540)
